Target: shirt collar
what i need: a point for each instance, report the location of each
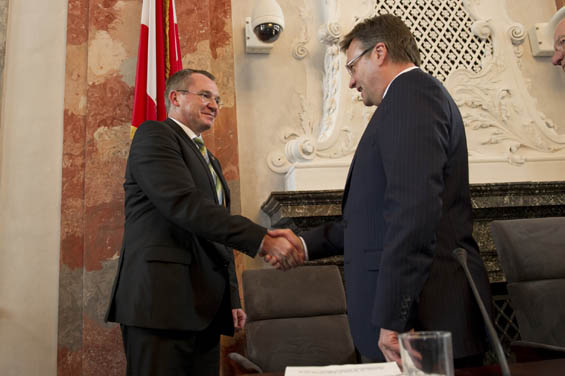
(186, 129)
(404, 71)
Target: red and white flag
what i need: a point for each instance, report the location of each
(158, 58)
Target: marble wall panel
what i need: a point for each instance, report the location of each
(205, 30)
(96, 139)
(102, 38)
(69, 355)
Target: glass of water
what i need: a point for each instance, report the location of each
(426, 353)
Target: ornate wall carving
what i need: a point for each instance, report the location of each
(324, 139)
(471, 45)
(501, 116)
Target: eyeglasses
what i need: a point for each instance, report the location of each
(351, 63)
(560, 44)
(206, 97)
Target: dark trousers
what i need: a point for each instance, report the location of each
(156, 352)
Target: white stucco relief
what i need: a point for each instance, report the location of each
(501, 118)
(300, 48)
(471, 45)
(325, 139)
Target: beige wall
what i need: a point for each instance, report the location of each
(30, 186)
(261, 106)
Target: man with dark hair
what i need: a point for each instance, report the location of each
(400, 43)
(175, 290)
(406, 205)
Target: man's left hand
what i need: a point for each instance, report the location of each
(388, 343)
(239, 318)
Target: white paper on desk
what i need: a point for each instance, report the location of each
(367, 369)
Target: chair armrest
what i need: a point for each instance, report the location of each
(527, 351)
(244, 363)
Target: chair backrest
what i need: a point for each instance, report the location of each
(296, 318)
(532, 256)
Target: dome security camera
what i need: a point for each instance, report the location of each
(268, 32)
(264, 27)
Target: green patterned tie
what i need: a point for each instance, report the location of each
(219, 191)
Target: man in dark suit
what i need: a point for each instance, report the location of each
(175, 290)
(406, 204)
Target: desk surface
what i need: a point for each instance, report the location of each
(552, 367)
(544, 368)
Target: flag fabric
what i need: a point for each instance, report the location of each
(158, 58)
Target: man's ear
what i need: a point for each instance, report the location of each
(173, 98)
(381, 52)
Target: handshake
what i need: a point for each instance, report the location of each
(282, 249)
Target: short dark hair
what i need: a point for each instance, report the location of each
(391, 31)
(182, 79)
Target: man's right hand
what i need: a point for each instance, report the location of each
(281, 253)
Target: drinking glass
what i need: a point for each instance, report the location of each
(426, 353)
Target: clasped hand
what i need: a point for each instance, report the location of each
(282, 249)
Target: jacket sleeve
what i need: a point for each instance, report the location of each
(325, 240)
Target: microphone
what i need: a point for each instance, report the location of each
(460, 255)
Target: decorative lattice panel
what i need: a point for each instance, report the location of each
(504, 320)
(442, 29)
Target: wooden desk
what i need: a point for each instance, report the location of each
(552, 367)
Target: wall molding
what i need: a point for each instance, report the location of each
(501, 117)
(324, 139)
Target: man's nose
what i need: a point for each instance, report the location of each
(213, 105)
(351, 82)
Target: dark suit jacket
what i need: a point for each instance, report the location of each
(406, 206)
(176, 261)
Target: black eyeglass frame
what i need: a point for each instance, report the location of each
(351, 63)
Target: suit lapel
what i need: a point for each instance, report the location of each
(352, 166)
(171, 123)
(192, 146)
(347, 183)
